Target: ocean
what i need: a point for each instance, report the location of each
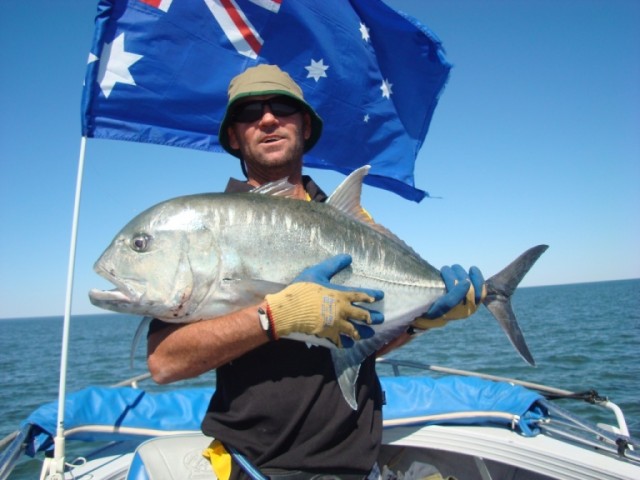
(583, 336)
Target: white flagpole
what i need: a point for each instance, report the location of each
(56, 467)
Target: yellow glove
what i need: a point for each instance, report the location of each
(310, 308)
(465, 293)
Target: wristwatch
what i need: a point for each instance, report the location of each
(265, 323)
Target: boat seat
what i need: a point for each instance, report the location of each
(172, 457)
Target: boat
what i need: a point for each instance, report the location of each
(436, 420)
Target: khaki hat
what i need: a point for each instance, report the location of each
(266, 80)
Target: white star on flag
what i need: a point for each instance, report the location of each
(364, 31)
(386, 88)
(114, 65)
(366, 118)
(317, 69)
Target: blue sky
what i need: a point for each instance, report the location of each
(535, 140)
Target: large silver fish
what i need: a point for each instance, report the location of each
(202, 256)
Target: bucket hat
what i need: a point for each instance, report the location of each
(266, 80)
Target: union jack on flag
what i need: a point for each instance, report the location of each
(161, 4)
(159, 71)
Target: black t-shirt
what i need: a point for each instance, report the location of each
(281, 406)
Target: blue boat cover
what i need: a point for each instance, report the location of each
(462, 401)
(110, 413)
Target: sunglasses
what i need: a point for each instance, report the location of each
(254, 110)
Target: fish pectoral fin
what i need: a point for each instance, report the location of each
(279, 188)
(346, 363)
(252, 290)
(263, 287)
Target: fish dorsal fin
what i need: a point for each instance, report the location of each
(278, 188)
(346, 198)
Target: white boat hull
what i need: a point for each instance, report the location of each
(460, 451)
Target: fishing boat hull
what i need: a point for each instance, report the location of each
(456, 450)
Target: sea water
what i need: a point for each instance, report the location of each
(582, 336)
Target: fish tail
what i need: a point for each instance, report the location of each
(500, 288)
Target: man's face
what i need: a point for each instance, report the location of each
(275, 139)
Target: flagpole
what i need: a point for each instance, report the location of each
(56, 467)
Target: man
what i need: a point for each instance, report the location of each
(277, 402)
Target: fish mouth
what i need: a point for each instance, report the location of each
(98, 297)
(122, 294)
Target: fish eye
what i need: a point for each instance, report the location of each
(140, 242)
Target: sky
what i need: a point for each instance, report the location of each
(536, 139)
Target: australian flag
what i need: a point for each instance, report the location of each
(159, 70)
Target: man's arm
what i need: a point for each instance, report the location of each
(181, 351)
(309, 305)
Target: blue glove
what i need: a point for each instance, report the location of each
(311, 304)
(465, 293)
(322, 274)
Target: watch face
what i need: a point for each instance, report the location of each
(264, 320)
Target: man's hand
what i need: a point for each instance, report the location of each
(465, 293)
(313, 305)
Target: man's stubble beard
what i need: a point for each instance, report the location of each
(286, 163)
